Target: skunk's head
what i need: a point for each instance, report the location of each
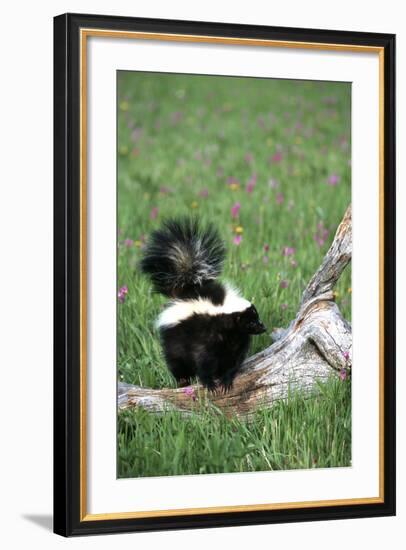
(248, 321)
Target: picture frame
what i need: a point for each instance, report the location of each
(73, 208)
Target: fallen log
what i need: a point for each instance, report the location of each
(317, 344)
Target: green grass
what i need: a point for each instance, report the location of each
(181, 141)
(295, 434)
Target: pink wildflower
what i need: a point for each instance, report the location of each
(276, 157)
(128, 242)
(288, 251)
(251, 183)
(235, 210)
(346, 355)
(122, 293)
(176, 117)
(279, 198)
(333, 180)
(204, 193)
(261, 121)
(136, 134)
(343, 375)
(321, 234)
(237, 240)
(190, 392)
(249, 157)
(154, 213)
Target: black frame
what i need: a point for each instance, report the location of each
(67, 275)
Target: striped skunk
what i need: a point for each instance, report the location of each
(206, 327)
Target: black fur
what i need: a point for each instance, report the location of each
(211, 347)
(181, 256)
(183, 262)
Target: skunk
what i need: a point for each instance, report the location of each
(206, 327)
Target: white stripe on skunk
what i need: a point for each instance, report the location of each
(179, 310)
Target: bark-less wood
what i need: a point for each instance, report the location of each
(317, 344)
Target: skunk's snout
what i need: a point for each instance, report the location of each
(257, 328)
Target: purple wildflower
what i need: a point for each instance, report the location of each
(122, 293)
(128, 242)
(235, 210)
(204, 193)
(343, 375)
(346, 355)
(237, 240)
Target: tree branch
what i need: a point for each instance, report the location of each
(317, 344)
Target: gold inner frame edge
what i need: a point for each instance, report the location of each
(84, 34)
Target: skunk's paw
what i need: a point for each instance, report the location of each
(210, 385)
(226, 386)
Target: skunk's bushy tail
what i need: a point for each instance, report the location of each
(182, 255)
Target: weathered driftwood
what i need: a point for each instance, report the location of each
(317, 344)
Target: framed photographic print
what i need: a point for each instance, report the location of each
(224, 274)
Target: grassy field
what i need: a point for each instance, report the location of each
(268, 162)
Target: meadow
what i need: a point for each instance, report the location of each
(269, 163)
